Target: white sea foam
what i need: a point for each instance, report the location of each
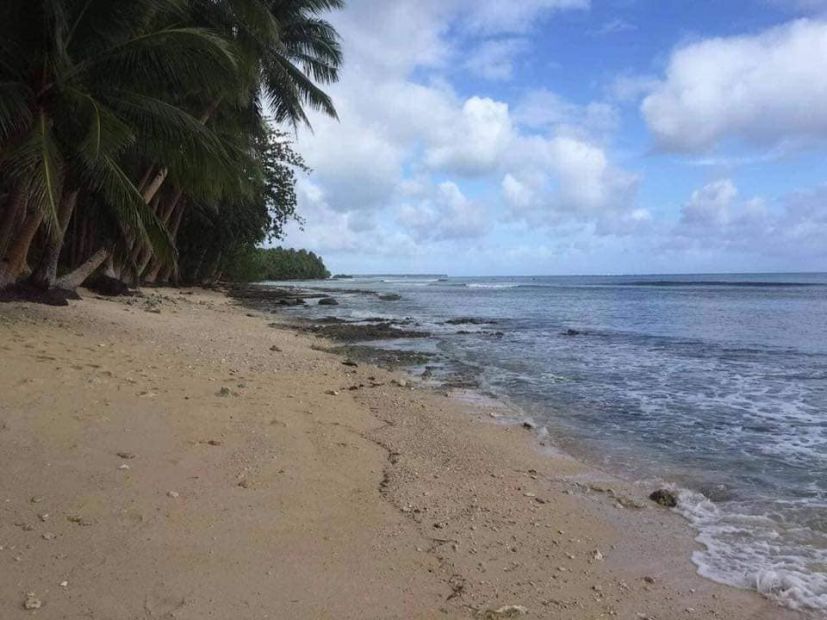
(755, 551)
(484, 285)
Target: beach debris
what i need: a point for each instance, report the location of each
(63, 583)
(506, 611)
(214, 442)
(173, 494)
(49, 536)
(400, 383)
(37, 499)
(597, 555)
(126, 455)
(244, 483)
(649, 579)
(331, 392)
(665, 498)
(123, 466)
(32, 602)
(350, 362)
(224, 391)
(275, 348)
(529, 425)
(43, 516)
(328, 301)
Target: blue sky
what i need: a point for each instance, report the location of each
(497, 137)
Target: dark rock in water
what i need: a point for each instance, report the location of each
(291, 301)
(390, 359)
(529, 425)
(328, 301)
(354, 332)
(665, 498)
(572, 332)
(470, 321)
(390, 297)
(106, 285)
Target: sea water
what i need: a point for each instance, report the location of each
(716, 384)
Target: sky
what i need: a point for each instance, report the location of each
(546, 137)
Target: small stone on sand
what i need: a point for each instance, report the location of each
(32, 602)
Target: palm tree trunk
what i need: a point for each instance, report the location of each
(46, 272)
(72, 280)
(14, 206)
(15, 261)
(157, 266)
(152, 188)
(165, 216)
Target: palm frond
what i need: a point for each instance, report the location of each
(15, 109)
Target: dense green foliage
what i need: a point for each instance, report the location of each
(132, 133)
(260, 264)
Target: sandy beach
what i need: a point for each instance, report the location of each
(180, 456)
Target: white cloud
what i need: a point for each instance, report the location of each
(494, 59)
(447, 214)
(544, 109)
(763, 89)
(389, 177)
(715, 218)
(566, 178)
(710, 205)
(497, 16)
(473, 142)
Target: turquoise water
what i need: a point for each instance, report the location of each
(714, 383)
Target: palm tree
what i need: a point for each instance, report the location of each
(79, 85)
(104, 103)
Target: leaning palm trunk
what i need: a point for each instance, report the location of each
(15, 262)
(72, 280)
(158, 267)
(150, 189)
(46, 272)
(15, 205)
(164, 215)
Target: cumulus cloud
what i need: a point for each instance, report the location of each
(569, 178)
(715, 217)
(390, 179)
(474, 141)
(446, 214)
(766, 88)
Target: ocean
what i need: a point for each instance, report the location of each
(715, 384)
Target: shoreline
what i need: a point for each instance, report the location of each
(309, 489)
